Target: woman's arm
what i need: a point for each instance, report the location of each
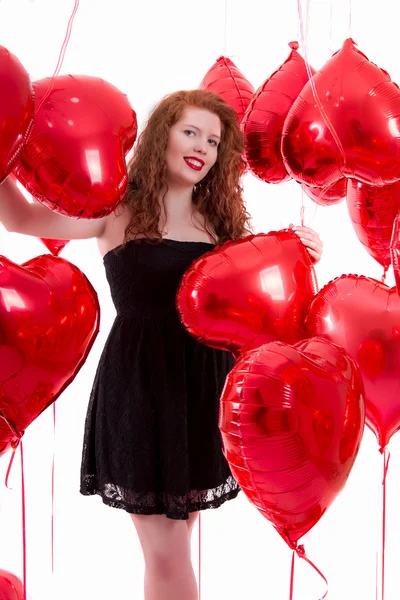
(19, 216)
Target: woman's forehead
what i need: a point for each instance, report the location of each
(201, 118)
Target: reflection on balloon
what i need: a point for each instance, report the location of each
(372, 212)
(16, 109)
(363, 316)
(226, 80)
(351, 130)
(49, 319)
(248, 292)
(74, 160)
(291, 420)
(263, 122)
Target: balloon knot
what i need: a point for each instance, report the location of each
(15, 442)
(382, 449)
(294, 45)
(300, 551)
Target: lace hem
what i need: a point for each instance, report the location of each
(150, 503)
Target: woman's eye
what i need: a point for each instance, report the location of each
(213, 142)
(188, 131)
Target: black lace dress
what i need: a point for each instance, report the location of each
(151, 442)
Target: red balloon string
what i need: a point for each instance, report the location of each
(330, 26)
(225, 26)
(292, 576)
(61, 55)
(14, 445)
(299, 550)
(199, 556)
(9, 468)
(23, 518)
(304, 43)
(386, 458)
(52, 489)
(350, 18)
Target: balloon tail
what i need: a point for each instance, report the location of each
(60, 57)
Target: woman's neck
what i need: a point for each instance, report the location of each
(178, 204)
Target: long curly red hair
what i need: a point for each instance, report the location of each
(218, 197)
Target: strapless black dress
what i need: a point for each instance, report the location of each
(151, 442)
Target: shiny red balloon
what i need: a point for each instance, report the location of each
(292, 419)
(226, 80)
(263, 122)
(11, 587)
(327, 196)
(16, 110)
(55, 246)
(248, 292)
(49, 319)
(349, 129)
(363, 316)
(74, 160)
(372, 212)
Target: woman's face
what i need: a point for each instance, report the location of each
(192, 146)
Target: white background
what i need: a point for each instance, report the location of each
(148, 49)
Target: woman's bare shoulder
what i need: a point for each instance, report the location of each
(114, 230)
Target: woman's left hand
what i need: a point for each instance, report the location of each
(311, 240)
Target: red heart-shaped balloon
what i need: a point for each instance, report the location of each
(372, 212)
(11, 587)
(248, 292)
(226, 80)
(332, 194)
(16, 109)
(49, 319)
(363, 316)
(263, 122)
(74, 159)
(350, 130)
(55, 246)
(291, 420)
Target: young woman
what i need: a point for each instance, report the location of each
(152, 445)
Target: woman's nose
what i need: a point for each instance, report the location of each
(201, 146)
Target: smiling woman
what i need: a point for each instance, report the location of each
(192, 139)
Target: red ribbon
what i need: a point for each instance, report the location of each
(299, 550)
(386, 458)
(23, 505)
(60, 57)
